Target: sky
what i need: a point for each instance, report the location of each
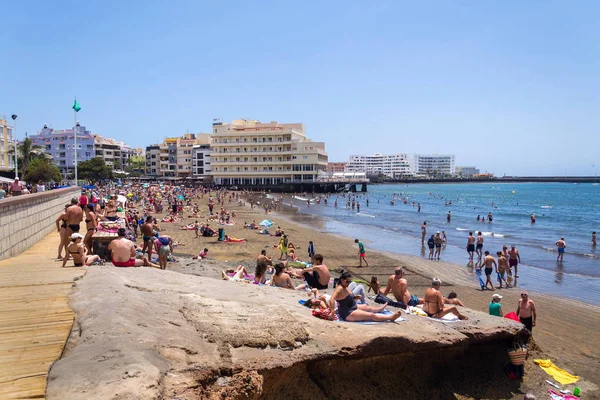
(512, 87)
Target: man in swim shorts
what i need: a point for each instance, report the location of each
(398, 285)
(317, 276)
(514, 258)
(148, 236)
(479, 246)
(471, 245)
(490, 264)
(74, 216)
(561, 245)
(123, 253)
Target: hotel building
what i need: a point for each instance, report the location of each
(394, 165)
(433, 164)
(7, 160)
(336, 167)
(173, 157)
(248, 152)
(201, 162)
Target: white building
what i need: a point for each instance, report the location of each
(201, 168)
(394, 165)
(433, 164)
(466, 171)
(248, 152)
(7, 159)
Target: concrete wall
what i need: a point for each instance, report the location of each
(24, 220)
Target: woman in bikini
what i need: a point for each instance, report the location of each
(91, 224)
(61, 227)
(79, 253)
(282, 279)
(110, 212)
(434, 302)
(350, 311)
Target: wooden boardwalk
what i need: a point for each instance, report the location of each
(35, 318)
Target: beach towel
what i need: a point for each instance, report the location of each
(480, 280)
(560, 375)
(384, 312)
(419, 312)
(558, 396)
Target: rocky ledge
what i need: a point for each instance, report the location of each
(150, 334)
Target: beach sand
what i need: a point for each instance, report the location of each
(565, 331)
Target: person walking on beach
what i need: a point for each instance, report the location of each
(526, 311)
(514, 258)
(438, 245)
(490, 263)
(431, 245)
(311, 251)
(501, 269)
(471, 246)
(479, 247)
(495, 308)
(74, 216)
(423, 231)
(361, 253)
(561, 244)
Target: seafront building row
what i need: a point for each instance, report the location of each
(402, 165)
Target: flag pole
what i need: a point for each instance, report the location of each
(75, 141)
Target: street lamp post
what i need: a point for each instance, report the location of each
(14, 118)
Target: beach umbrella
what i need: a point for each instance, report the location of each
(180, 197)
(129, 194)
(266, 223)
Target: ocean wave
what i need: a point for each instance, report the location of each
(594, 256)
(365, 215)
(494, 234)
(462, 229)
(548, 248)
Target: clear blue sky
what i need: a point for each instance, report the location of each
(511, 87)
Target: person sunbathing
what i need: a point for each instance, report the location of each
(233, 239)
(238, 274)
(350, 311)
(79, 252)
(434, 303)
(281, 279)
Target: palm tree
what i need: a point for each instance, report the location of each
(27, 151)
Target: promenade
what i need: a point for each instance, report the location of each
(35, 318)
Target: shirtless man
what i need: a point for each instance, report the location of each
(318, 275)
(501, 269)
(434, 302)
(514, 258)
(526, 311)
(148, 236)
(398, 285)
(479, 246)
(471, 245)
(262, 257)
(423, 231)
(123, 253)
(74, 217)
(438, 245)
(561, 244)
(488, 261)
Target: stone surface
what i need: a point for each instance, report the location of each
(142, 333)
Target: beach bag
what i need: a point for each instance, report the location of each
(517, 355)
(324, 314)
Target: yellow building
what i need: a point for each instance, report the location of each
(248, 152)
(7, 160)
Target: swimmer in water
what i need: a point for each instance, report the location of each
(594, 239)
(478, 218)
(533, 218)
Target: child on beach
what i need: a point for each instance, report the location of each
(203, 254)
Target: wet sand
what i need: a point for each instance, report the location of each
(565, 331)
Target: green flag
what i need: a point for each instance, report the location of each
(76, 106)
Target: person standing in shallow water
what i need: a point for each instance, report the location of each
(423, 231)
(471, 245)
(561, 245)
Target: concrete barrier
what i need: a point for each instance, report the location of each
(24, 220)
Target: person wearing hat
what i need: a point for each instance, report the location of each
(495, 307)
(526, 311)
(78, 251)
(438, 245)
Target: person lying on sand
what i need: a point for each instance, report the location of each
(238, 275)
(349, 311)
(434, 302)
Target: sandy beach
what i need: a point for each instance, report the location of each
(565, 331)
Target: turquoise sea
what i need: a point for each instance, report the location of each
(562, 209)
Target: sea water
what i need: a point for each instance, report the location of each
(564, 210)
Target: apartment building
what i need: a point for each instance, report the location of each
(60, 144)
(201, 162)
(466, 171)
(249, 152)
(7, 160)
(173, 157)
(433, 164)
(109, 150)
(393, 165)
(336, 166)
